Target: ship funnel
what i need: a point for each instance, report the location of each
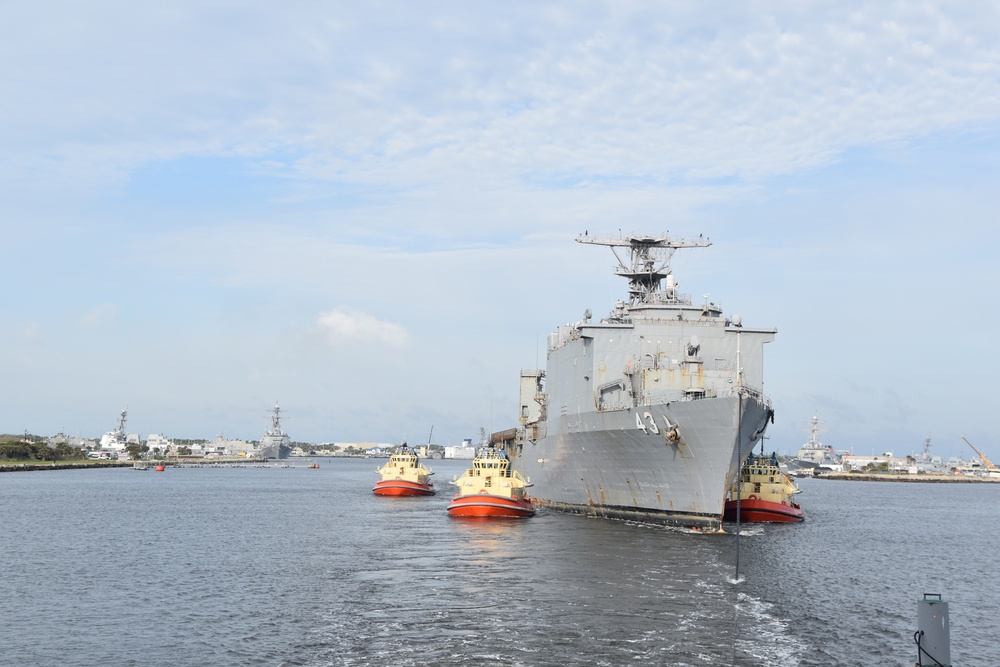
(933, 636)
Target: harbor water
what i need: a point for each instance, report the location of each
(299, 566)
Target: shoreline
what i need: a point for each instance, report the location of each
(934, 479)
(18, 467)
(83, 465)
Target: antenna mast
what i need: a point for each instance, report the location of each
(648, 262)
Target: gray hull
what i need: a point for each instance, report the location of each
(605, 464)
(275, 451)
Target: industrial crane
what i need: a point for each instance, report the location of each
(989, 464)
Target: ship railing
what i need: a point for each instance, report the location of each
(666, 297)
(752, 392)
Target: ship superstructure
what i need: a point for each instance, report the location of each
(648, 413)
(116, 440)
(814, 454)
(275, 444)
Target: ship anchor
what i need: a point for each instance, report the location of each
(672, 433)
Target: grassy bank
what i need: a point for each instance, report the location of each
(20, 466)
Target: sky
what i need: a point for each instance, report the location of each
(365, 211)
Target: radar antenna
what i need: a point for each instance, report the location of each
(647, 263)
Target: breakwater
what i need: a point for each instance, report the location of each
(934, 479)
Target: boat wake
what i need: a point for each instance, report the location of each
(772, 641)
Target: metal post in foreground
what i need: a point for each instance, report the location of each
(933, 637)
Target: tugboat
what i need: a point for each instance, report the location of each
(491, 489)
(764, 492)
(404, 475)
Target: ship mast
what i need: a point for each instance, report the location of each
(276, 421)
(814, 433)
(120, 431)
(647, 263)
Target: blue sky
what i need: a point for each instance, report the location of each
(367, 212)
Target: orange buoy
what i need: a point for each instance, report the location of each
(160, 468)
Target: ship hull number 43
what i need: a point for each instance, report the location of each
(647, 424)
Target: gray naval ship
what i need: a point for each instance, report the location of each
(648, 414)
(275, 444)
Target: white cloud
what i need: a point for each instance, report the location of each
(31, 332)
(345, 325)
(102, 313)
(613, 96)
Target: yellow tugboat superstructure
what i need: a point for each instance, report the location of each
(763, 493)
(491, 488)
(404, 475)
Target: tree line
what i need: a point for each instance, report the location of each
(24, 450)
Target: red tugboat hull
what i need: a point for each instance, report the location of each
(402, 487)
(487, 506)
(754, 510)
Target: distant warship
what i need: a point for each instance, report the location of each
(814, 454)
(649, 413)
(116, 439)
(275, 444)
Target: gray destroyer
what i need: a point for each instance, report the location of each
(648, 414)
(275, 444)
